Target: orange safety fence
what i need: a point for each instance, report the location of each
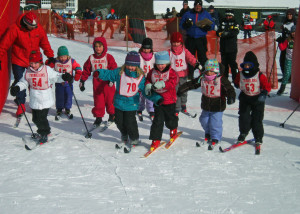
(159, 30)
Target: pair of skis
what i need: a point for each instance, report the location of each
(103, 126)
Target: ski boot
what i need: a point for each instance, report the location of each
(173, 133)
(258, 143)
(97, 122)
(43, 139)
(183, 109)
(281, 90)
(214, 142)
(124, 140)
(241, 138)
(140, 115)
(151, 114)
(58, 114)
(155, 144)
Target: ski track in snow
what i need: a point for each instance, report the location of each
(72, 174)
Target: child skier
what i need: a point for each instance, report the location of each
(64, 90)
(180, 57)
(103, 90)
(215, 88)
(129, 80)
(163, 80)
(254, 90)
(287, 45)
(147, 63)
(39, 78)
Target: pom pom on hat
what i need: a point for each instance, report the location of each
(36, 56)
(30, 19)
(62, 51)
(162, 57)
(133, 59)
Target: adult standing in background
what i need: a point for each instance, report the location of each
(269, 23)
(197, 22)
(288, 23)
(215, 15)
(247, 26)
(89, 16)
(185, 8)
(70, 24)
(110, 23)
(99, 19)
(24, 36)
(228, 31)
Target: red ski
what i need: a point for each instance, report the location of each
(235, 145)
(172, 140)
(151, 151)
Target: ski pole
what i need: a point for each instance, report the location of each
(33, 135)
(89, 134)
(273, 64)
(282, 124)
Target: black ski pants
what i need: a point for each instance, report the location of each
(127, 124)
(229, 59)
(39, 117)
(164, 114)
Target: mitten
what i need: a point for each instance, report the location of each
(198, 66)
(77, 75)
(81, 85)
(262, 96)
(188, 23)
(230, 100)
(50, 61)
(67, 77)
(148, 89)
(110, 84)
(159, 84)
(14, 90)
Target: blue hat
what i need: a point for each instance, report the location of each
(133, 59)
(162, 57)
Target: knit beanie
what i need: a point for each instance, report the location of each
(251, 57)
(162, 57)
(36, 56)
(185, 2)
(229, 12)
(212, 65)
(133, 59)
(30, 19)
(147, 43)
(176, 37)
(62, 51)
(198, 2)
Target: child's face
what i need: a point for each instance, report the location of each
(146, 50)
(63, 58)
(161, 67)
(247, 65)
(210, 73)
(99, 48)
(35, 65)
(130, 68)
(176, 44)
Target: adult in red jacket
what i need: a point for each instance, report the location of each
(24, 36)
(269, 23)
(103, 90)
(163, 80)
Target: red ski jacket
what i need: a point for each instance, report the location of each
(23, 42)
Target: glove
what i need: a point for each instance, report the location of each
(67, 77)
(110, 84)
(159, 102)
(159, 85)
(81, 85)
(148, 89)
(14, 90)
(51, 60)
(198, 66)
(280, 39)
(230, 100)
(262, 96)
(188, 23)
(206, 28)
(96, 74)
(77, 75)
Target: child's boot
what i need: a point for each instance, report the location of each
(155, 144)
(98, 121)
(241, 138)
(281, 89)
(173, 133)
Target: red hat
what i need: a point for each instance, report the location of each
(30, 19)
(36, 56)
(176, 37)
(112, 10)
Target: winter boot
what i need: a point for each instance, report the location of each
(67, 111)
(214, 142)
(58, 112)
(241, 138)
(135, 142)
(173, 133)
(151, 114)
(98, 121)
(19, 110)
(43, 139)
(111, 118)
(183, 109)
(140, 115)
(124, 140)
(176, 113)
(281, 89)
(155, 144)
(258, 142)
(207, 137)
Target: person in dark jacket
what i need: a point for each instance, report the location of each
(185, 8)
(197, 22)
(215, 15)
(228, 31)
(254, 87)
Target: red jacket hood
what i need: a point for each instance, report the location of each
(103, 41)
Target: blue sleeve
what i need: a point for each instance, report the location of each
(184, 17)
(109, 75)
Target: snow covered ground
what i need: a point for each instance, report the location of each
(72, 174)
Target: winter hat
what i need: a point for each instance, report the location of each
(291, 11)
(30, 19)
(62, 51)
(212, 65)
(198, 2)
(211, 7)
(293, 29)
(147, 43)
(250, 57)
(185, 2)
(176, 37)
(229, 12)
(162, 57)
(133, 59)
(112, 11)
(36, 56)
